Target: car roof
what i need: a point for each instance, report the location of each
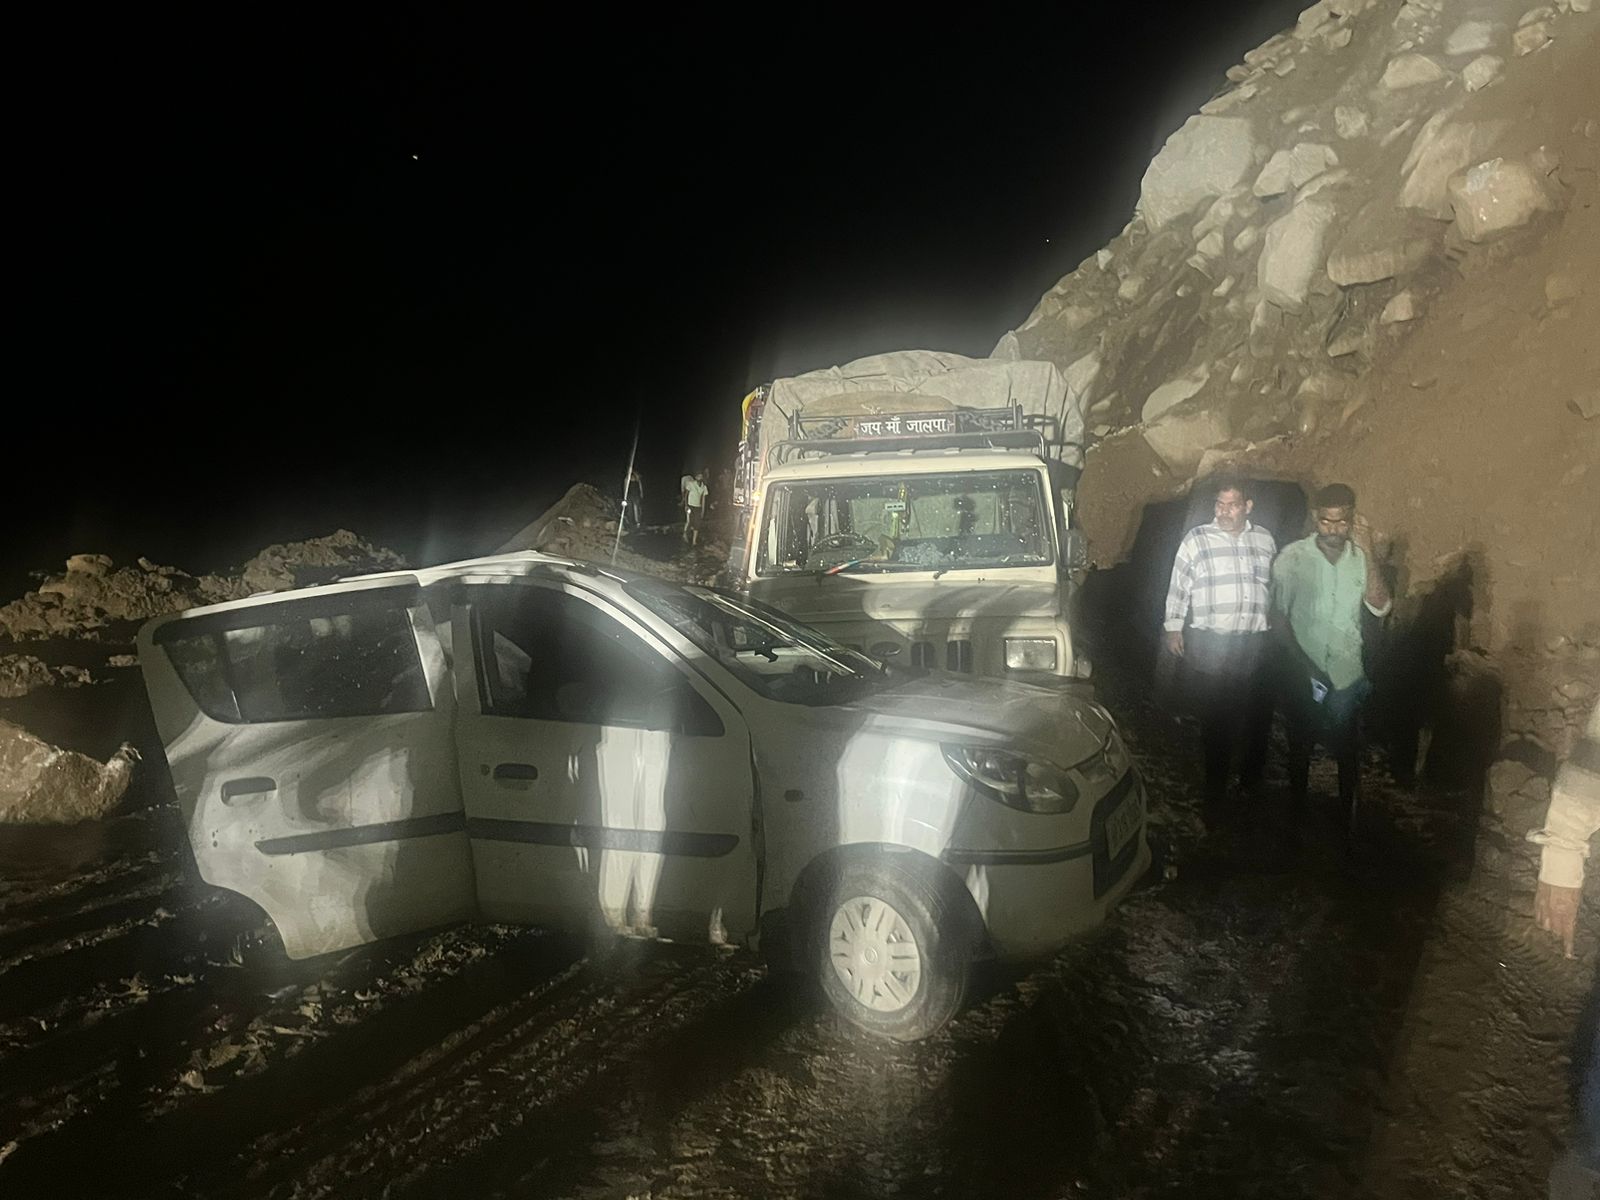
(522, 562)
(904, 462)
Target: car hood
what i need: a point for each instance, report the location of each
(1056, 724)
(845, 597)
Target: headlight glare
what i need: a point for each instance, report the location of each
(1030, 654)
(1026, 784)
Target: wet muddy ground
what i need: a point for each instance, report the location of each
(1287, 1016)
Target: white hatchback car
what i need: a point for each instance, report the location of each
(526, 738)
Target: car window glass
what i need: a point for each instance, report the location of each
(361, 662)
(549, 656)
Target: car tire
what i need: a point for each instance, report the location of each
(891, 949)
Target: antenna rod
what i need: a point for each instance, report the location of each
(626, 479)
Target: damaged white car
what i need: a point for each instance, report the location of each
(525, 738)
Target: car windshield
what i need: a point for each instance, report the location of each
(766, 650)
(906, 523)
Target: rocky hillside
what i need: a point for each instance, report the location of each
(1375, 257)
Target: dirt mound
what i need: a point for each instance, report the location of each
(583, 525)
(1375, 257)
(96, 600)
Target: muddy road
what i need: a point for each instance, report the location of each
(1287, 1016)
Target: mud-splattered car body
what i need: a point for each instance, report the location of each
(533, 739)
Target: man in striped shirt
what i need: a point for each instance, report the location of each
(1216, 622)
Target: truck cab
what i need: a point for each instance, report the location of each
(938, 540)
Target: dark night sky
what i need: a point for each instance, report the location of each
(253, 315)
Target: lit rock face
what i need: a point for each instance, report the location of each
(1317, 256)
(1292, 253)
(1205, 158)
(1495, 196)
(1288, 169)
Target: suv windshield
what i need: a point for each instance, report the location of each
(765, 649)
(906, 523)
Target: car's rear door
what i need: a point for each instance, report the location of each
(311, 747)
(604, 780)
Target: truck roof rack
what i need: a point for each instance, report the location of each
(1003, 428)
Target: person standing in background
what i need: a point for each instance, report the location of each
(634, 504)
(693, 498)
(1218, 603)
(1319, 587)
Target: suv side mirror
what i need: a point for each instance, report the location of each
(1075, 550)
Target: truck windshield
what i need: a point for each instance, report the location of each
(768, 651)
(906, 523)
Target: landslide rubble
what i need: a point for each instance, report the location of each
(95, 599)
(583, 525)
(77, 628)
(1374, 256)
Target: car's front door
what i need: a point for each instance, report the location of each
(603, 778)
(311, 750)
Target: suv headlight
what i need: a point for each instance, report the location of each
(1027, 784)
(1030, 654)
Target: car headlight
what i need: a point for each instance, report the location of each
(1030, 654)
(1027, 784)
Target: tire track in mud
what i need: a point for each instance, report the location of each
(149, 936)
(64, 931)
(475, 1096)
(155, 1127)
(21, 923)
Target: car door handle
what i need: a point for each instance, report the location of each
(255, 785)
(515, 772)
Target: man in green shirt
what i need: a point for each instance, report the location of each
(1319, 586)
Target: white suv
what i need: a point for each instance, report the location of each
(525, 738)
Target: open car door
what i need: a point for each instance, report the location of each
(312, 752)
(605, 782)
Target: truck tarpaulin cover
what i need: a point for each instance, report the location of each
(929, 380)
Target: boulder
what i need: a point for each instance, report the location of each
(1495, 196)
(1349, 122)
(1173, 393)
(1180, 439)
(1507, 776)
(1482, 71)
(1292, 252)
(1472, 37)
(1587, 404)
(1442, 147)
(1350, 264)
(89, 564)
(1311, 20)
(1411, 70)
(1402, 306)
(40, 783)
(1530, 38)
(1292, 168)
(1080, 376)
(1205, 158)
(1223, 211)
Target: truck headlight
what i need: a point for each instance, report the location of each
(1027, 784)
(1030, 654)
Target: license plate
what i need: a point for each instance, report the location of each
(1122, 826)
